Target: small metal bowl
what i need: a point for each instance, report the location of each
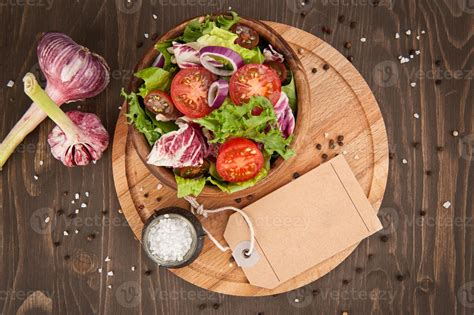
(197, 234)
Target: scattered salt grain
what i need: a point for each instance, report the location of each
(99, 270)
(397, 35)
(133, 268)
(404, 161)
(73, 202)
(408, 32)
(363, 39)
(455, 133)
(120, 108)
(423, 32)
(10, 84)
(47, 219)
(94, 162)
(83, 205)
(107, 259)
(76, 231)
(146, 35)
(87, 194)
(141, 189)
(356, 157)
(110, 274)
(413, 84)
(416, 115)
(65, 233)
(41, 163)
(326, 135)
(417, 37)
(109, 286)
(155, 16)
(417, 52)
(297, 300)
(404, 60)
(170, 239)
(119, 211)
(344, 152)
(76, 196)
(35, 177)
(159, 186)
(447, 204)
(76, 211)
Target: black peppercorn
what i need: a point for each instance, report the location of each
(341, 18)
(314, 70)
(296, 175)
(238, 200)
(384, 238)
(148, 272)
(348, 45)
(319, 146)
(324, 156)
(353, 24)
(326, 67)
(400, 277)
(67, 257)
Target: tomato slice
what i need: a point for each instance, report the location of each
(158, 102)
(248, 37)
(279, 68)
(252, 80)
(239, 159)
(189, 91)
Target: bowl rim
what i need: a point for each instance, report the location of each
(164, 174)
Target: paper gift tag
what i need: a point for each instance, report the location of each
(304, 223)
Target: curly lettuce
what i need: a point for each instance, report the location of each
(189, 186)
(239, 121)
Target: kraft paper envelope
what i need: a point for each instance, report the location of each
(304, 223)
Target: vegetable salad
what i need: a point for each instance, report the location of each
(217, 106)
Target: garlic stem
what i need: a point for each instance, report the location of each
(43, 101)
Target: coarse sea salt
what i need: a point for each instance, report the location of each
(170, 239)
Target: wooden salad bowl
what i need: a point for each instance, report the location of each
(278, 169)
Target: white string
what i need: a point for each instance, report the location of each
(198, 208)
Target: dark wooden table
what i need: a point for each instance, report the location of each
(421, 263)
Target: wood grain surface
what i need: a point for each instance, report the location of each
(340, 103)
(422, 263)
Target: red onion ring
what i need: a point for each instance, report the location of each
(217, 93)
(227, 54)
(159, 61)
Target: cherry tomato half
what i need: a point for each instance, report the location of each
(239, 159)
(252, 80)
(158, 102)
(280, 69)
(248, 37)
(189, 91)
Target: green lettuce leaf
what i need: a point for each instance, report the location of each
(290, 91)
(144, 121)
(238, 121)
(155, 79)
(138, 117)
(234, 187)
(196, 29)
(226, 22)
(162, 47)
(189, 186)
(224, 38)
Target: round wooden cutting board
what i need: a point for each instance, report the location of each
(342, 104)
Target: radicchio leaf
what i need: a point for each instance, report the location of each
(284, 114)
(186, 55)
(272, 55)
(181, 148)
